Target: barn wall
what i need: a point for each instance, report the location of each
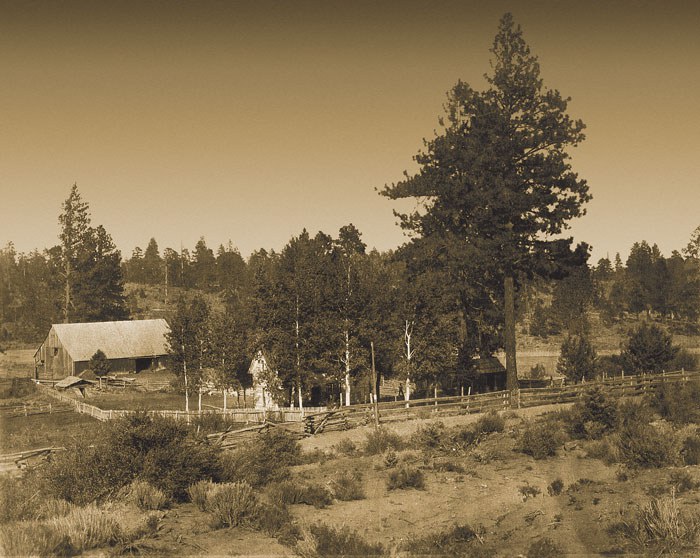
(57, 362)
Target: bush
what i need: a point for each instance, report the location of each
(199, 493)
(267, 459)
(347, 486)
(527, 491)
(490, 422)
(678, 401)
(405, 477)
(691, 450)
(86, 528)
(643, 445)
(346, 447)
(541, 439)
(682, 481)
(391, 459)
(684, 360)
(295, 492)
(594, 415)
(31, 538)
(232, 504)
(451, 542)
(544, 548)
(152, 449)
(147, 497)
(659, 525)
(431, 436)
(378, 440)
(555, 487)
(321, 540)
(19, 388)
(276, 521)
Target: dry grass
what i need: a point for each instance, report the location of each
(88, 527)
(147, 497)
(660, 525)
(232, 504)
(199, 493)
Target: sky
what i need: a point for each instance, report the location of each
(252, 120)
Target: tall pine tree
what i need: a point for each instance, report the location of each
(497, 184)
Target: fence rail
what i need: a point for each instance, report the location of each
(318, 419)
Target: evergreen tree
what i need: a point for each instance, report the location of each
(497, 180)
(577, 358)
(92, 273)
(152, 264)
(648, 349)
(75, 226)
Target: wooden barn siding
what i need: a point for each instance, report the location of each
(57, 366)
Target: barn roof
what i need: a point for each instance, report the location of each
(126, 339)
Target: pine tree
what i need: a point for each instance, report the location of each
(577, 358)
(497, 180)
(75, 225)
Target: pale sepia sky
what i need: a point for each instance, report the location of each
(251, 120)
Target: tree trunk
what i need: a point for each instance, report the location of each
(199, 403)
(67, 302)
(225, 390)
(301, 403)
(187, 393)
(374, 389)
(347, 368)
(509, 334)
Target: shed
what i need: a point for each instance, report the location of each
(130, 346)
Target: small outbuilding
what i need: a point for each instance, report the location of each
(130, 346)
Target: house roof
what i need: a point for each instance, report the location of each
(126, 339)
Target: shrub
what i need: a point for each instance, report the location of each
(527, 491)
(378, 440)
(682, 481)
(431, 436)
(405, 477)
(677, 401)
(594, 415)
(691, 450)
(391, 459)
(31, 538)
(232, 504)
(267, 459)
(449, 466)
(346, 447)
(684, 360)
(643, 445)
(555, 487)
(147, 497)
(544, 548)
(199, 493)
(276, 521)
(153, 449)
(347, 486)
(451, 542)
(541, 439)
(490, 422)
(86, 528)
(295, 492)
(321, 540)
(53, 508)
(660, 525)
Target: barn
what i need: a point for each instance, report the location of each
(130, 346)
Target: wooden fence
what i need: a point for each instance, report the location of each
(355, 415)
(246, 416)
(319, 419)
